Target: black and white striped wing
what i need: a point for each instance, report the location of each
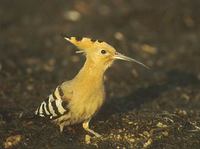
(52, 107)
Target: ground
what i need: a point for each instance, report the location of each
(156, 108)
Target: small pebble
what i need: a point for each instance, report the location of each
(29, 87)
(185, 96)
(130, 123)
(146, 133)
(147, 143)
(165, 133)
(11, 141)
(119, 36)
(132, 140)
(134, 72)
(161, 125)
(72, 15)
(182, 112)
(118, 136)
(87, 139)
(149, 49)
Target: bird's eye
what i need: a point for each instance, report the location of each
(103, 52)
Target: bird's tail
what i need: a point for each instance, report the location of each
(31, 116)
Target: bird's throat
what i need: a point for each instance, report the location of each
(91, 72)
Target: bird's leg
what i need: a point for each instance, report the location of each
(61, 127)
(86, 127)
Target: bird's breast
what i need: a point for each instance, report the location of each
(85, 104)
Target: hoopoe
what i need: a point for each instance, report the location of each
(77, 100)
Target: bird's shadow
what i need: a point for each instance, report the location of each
(144, 95)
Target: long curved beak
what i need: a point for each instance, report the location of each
(126, 58)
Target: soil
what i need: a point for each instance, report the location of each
(156, 108)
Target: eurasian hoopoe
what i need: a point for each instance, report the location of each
(77, 100)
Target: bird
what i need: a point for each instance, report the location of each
(79, 99)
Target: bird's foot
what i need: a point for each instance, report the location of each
(94, 133)
(86, 127)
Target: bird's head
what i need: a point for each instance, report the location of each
(100, 52)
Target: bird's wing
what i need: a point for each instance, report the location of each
(55, 105)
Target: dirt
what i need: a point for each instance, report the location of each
(156, 108)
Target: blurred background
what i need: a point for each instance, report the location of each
(157, 108)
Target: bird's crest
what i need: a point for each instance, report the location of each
(85, 43)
